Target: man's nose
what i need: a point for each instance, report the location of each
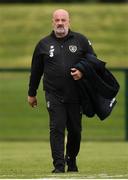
(60, 22)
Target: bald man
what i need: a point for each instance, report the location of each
(54, 58)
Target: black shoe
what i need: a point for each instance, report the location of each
(58, 170)
(72, 169)
(71, 163)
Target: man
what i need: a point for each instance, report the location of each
(54, 58)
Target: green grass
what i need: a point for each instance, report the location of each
(22, 26)
(17, 118)
(19, 121)
(33, 160)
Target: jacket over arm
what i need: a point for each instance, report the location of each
(100, 86)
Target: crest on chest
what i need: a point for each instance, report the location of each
(73, 48)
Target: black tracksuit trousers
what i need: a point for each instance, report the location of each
(63, 115)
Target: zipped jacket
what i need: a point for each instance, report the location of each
(53, 58)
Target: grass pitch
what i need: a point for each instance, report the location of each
(22, 26)
(18, 121)
(33, 160)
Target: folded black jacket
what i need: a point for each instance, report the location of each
(98, 87)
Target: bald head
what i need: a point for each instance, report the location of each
(61, 12)
(61, 22)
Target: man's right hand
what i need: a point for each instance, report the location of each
(32, 101)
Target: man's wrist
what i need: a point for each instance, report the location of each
(31, 93)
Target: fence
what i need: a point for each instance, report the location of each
(32, 124)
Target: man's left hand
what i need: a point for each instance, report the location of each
(76, 74)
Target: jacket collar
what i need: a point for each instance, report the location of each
(69, 35)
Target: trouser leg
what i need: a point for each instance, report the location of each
(57, 115)
(74, 130)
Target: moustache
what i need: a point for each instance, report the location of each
(60, 26)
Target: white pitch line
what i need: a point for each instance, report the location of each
(93, 176)
(68, 176)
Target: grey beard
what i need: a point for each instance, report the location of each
(61, 32)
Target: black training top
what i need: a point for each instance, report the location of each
(53, 58)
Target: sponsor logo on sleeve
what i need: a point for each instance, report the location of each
(48, 104)
(89, 42)
(112, 102)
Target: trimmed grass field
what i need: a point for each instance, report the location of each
(22, 26)
(25, 153)
(18, 121)
(33, 160)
